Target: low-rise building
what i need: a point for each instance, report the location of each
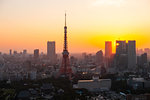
(138, 83)
(95, 84)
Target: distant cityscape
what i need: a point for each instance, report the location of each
(124, 75)
(128, 66)
(127, 58)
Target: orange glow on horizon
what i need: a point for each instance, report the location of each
(29, 24)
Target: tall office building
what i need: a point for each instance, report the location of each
(36, 53)
(15, 52)
(131, 54)
(121, 47)
(99, 57)
(10, 52)
(24, 51)
(121, 57)
(51, 53)
(142, 60)
(108, 49)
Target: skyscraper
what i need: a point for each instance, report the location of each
(108, 49)
(36, 53)
(108, 52)
(65, 69)
(121, 47)
(99, 57)
(142, 60)
(51, 53)
(24, 51)
(121, 57)
(15, 52)
(10, 52)
(131, 54)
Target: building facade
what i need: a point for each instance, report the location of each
(51, 52)
(95, 84)
(99, 57)
(131, 54)
(108, 49)
(36, 53)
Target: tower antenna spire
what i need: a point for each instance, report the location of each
(65, 68)
(65, 18)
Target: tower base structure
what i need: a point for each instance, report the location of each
(65, 69)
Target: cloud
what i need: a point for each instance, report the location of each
(108, 2)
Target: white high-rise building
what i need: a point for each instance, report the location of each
(51, 53)
(131, 54)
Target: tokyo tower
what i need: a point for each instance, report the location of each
(65, 69)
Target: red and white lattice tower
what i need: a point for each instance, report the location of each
(65, 69)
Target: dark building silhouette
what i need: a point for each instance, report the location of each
(36, 53)
(121, 54)
(99, 57)
(24, 51)
(121, 47)
(10, 52)
(15, 52)
(131, 54)
(125, 54)
(51, 52)
(144, 58)
(141, 60)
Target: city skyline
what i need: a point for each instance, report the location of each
(74, 49)
(30, 24)
(109, 46)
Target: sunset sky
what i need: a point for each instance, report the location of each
(29, 24)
